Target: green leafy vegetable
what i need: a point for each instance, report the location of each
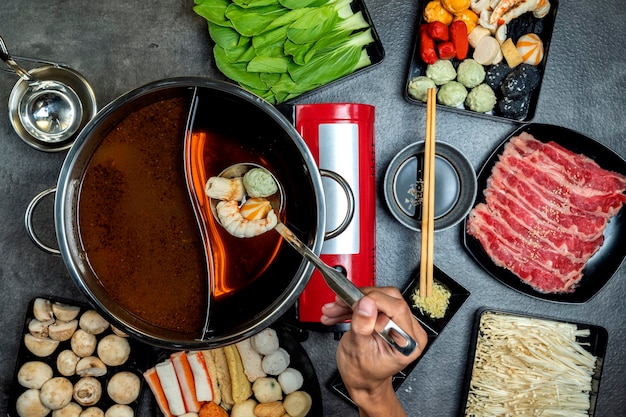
(279, 49)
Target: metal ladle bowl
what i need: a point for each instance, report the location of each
(49, 104)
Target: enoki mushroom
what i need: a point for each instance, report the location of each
(529, 367)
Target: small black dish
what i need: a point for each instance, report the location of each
(455, 186)
(595, 343)
(603, 265)
(140, 356)
(433, 327)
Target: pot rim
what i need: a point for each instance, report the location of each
(67, 196)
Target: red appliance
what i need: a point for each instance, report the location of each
(341, 139)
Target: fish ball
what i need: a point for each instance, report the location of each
(275, 363)
(34, 374)
(267, 390)
(297, 404)
(244, 409)
(290, 380)
(265, 342)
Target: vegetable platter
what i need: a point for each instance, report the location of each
(512, 354)
(281, 49)
(486, 57)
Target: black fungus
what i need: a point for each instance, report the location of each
(495, 74)
(514, 107)
(526, 23)
(521, 81)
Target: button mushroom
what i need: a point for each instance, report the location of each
(56, 393)
(65, 312)
(66, 362)
(83, 343)
(38, 328)
(118, 332)
(70, 410)
(92, 412)
(113, 350)
(92, 322)
(119, 410)
(34, 374)
(87, 391)
(42, 310)
(124, 387)
(40, 347)
(91, 366)
(62, 330)
(29, 404)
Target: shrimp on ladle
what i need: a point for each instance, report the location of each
(232, 220)
(254, 216)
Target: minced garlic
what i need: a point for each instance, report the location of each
(434, 306)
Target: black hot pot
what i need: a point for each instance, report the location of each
(235, 113)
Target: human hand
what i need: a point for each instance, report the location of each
(365, 361)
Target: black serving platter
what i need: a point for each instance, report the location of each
(289, 339)
(433, 327)
(139, 358)
(603, 265)
(595, 343)
(417, 67)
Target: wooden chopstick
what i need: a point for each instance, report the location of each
(428, 199)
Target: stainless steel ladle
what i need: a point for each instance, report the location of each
(49, 110)
(336, 281)
(6, 57)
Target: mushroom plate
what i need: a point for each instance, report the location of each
(70, 349)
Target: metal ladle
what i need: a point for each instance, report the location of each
(336, 281)
(49, 110)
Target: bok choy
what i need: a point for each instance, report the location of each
(279, 49)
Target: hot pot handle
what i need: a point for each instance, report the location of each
(28, 222)
(349, 197)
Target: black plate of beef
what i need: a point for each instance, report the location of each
(602, 265)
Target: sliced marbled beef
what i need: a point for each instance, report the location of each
(545, 212)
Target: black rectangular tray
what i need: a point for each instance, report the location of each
(418, 67)
(433, 327)
(140, 357)
(595, 343)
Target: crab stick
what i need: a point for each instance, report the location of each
(201, 376)
(155, 386)
(185, 381)
(171, 389)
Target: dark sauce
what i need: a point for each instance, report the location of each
(137, 227)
